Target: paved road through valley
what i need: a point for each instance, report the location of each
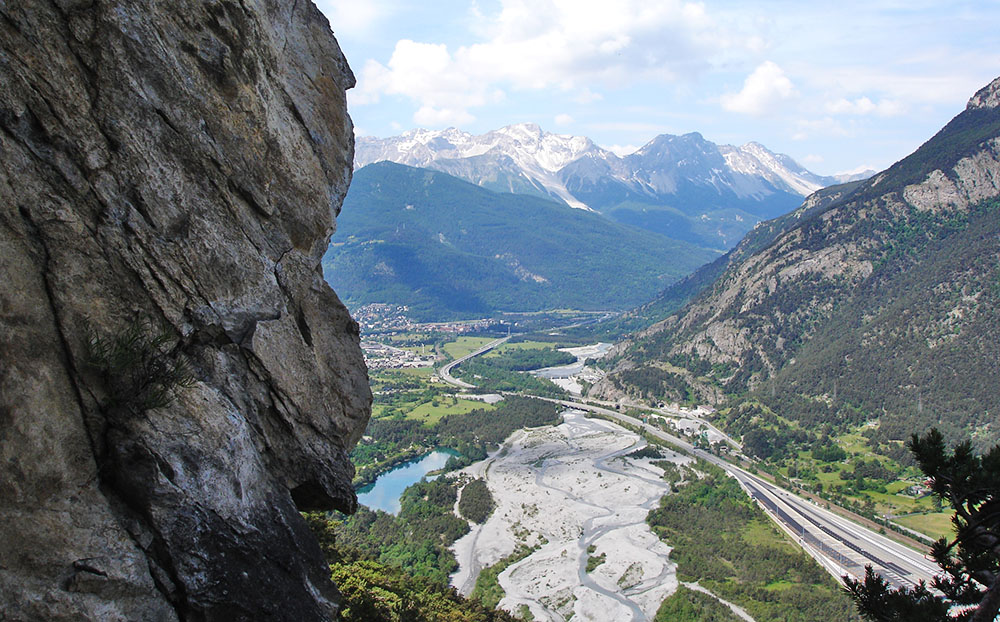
(445, 372)
(841, 546)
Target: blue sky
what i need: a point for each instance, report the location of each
(837, 85)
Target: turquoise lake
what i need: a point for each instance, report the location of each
(385, 492)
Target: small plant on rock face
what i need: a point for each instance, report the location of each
(138, 367)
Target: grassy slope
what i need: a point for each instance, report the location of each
(725, 543)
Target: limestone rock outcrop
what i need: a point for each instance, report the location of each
(175, 166)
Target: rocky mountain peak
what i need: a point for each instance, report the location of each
(705, 181)
(986, 97)
(528, 131)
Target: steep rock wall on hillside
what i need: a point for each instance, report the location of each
(866, 295)
(173, 168)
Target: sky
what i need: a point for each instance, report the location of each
(839, 86)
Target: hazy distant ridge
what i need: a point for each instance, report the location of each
(447, 248)
(681, 186)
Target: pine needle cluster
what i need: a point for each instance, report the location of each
(139, 366)
(968, 589)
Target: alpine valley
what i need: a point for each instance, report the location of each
(680, 389)
(787, 377)
(448, 248)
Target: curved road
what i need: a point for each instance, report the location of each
(841, 546)
(445, 372)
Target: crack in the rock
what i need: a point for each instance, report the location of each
(65, 353)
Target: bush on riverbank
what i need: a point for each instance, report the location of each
(488, 590)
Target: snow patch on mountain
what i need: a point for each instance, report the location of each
(524, 158)
(755, 159)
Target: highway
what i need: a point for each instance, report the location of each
(841, 546)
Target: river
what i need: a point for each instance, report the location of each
(568, 377)
(384, 493)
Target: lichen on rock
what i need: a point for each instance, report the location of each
(182, 161)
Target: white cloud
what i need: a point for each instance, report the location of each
(428, 74)
(865, 106)
(630, 126)
(757, 44)
(763, 89)
(430, 116)
(812, 158)
(373, 80)
(810, 128)
(586, 96)
(935, 85)
(862, 168)
(563, 119)
(570, 45)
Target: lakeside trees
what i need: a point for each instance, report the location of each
(373, 591)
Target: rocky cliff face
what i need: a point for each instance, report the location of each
(880, 294)
(173, 168)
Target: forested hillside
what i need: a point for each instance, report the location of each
(448, 248)
(883, 301)
(760, 237)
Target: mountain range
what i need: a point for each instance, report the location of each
(685, 187)
(875, 299)
(449, 248)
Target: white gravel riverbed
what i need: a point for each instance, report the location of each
(563, 489)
